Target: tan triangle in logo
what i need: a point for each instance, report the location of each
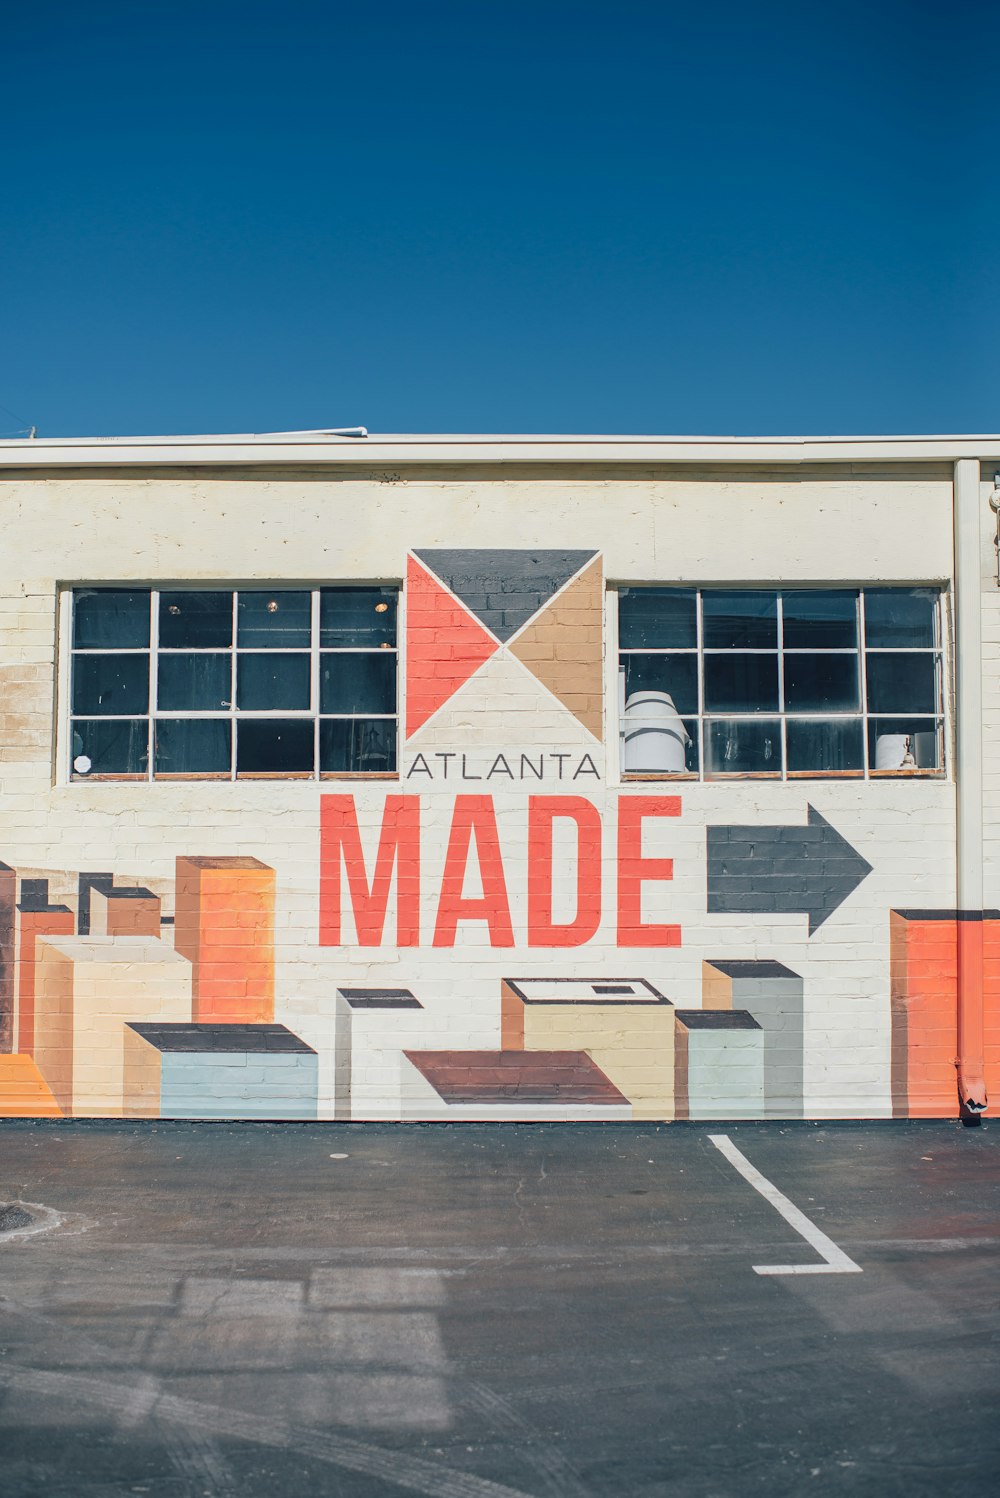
(562, 647)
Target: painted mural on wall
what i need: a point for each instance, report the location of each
(501, 859)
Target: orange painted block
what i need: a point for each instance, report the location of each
(923, 969)
(23, 1090)
(57, 921)
(224, 925)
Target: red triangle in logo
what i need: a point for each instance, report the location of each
(445, 645)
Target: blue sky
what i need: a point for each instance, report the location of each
(767, 218)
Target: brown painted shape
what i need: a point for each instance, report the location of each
(59, 921)
(511, 1019)
(224, 925)
(716, 987)
(562, 647)
(124, 913)
(516, 1077)
(8, 904)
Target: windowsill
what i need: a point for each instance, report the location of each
(826, 774)
(909, 774)
(359, 774)
(630, 775)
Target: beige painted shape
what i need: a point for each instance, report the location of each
(633, 1044)
(86, 989)
(501, 707)
(142, 1075)
(562, 646)
(716, 987)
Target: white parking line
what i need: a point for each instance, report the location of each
(835, 1261)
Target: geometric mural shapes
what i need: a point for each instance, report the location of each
(87, 989)
(444, 645)
(773, 994)
(504, 588)
(563, 647)
(923, 996)
(36, 917)
(8, 904)
(23, 1090)
(86, 883)
(624, 1025)
(218, 1071)
(719, 1064)
(512, 1085)
(371, 1027)
(224, 925)
(124, 912)
(502, 707)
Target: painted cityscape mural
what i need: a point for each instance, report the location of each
(501, 859)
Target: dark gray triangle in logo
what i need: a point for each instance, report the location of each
(504, 588)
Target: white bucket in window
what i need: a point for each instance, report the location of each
(655, 737)
(892, 751)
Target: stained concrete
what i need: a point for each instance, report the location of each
(477, 1311)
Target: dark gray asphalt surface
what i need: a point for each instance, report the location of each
(482, 1311)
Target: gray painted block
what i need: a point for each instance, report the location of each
(719, 1065)
(215, 1084)
(774, 995)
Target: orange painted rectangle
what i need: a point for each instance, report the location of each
(224, 924)
(35, 923)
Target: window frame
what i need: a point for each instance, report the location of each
(315, 651)
(941, 652)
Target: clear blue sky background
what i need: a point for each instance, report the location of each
(540, 215)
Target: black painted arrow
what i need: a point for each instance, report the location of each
(779, 870)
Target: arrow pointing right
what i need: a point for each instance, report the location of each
(782, 869)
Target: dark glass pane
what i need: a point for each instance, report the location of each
(742, 746)
(274, 746)
(272, 681)
(746, 621)
(900, 616)
(358, 683)
(111, 619)
(193, 746)
(657, 619)
(901, 684)
(191, 682)
(357, 616)
(196, 620)
(821, 683)
(741, 683)
(836, 744)
(676, 675)
(903, 744)
(357, 744)
(655, 741)
(104, 684)
(103, 748)
(820, 620)
(274, 621)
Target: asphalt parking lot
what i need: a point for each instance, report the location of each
(484, 1311)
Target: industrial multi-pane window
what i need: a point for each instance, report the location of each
(223, 684)
(832, 682)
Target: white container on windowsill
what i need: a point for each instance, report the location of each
(655, 737)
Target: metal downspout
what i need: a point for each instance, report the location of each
(969, 788)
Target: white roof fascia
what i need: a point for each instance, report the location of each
(295, 449)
